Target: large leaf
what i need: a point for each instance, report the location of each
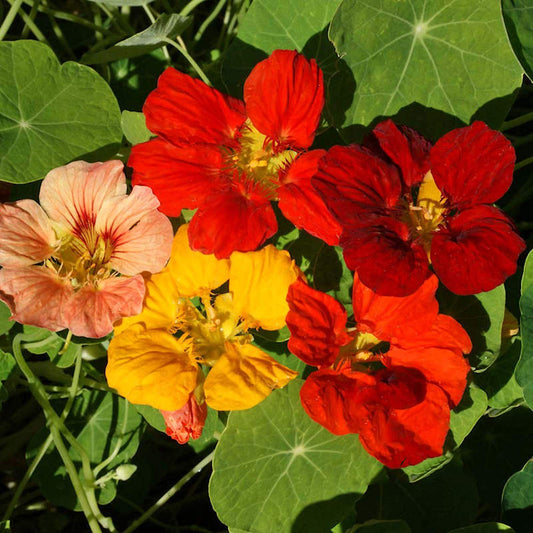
(453, 57)
(51, 114)
(524, 369)
(286, 473)
(518, 16)
(134, 127)
(382, 526)
(517, 498)
(5, 323)
(165, 27)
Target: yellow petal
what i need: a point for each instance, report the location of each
(244, 376)
(151, 368)
(430, 198)
(259, 282)
(195, 273)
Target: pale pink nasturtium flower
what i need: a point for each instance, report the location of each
(61, 260)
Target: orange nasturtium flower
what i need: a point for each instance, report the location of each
(156, 358)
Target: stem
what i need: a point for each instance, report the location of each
(10, 17)
(192, 62)
(150, 15)
(31, 18)
(524, 163)
(190, 6)
(517, 121)
(159, 503)
(212, 16)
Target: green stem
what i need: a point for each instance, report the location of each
(188, 57)
(524, 163)
(159, 503)
(190, 6)
(152, 19)
(10, 17)
(518, 121)
(29, 21)
(212, 16)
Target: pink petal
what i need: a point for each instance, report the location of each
(26, 234)
(92, 311)
(36, 296)
(73, 194)
(141, 236)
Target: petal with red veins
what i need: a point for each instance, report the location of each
(405, 147)
(73, 194)
(301, 203)
(317, 323)
(140, 235)
(228, 222)
(185, 110)
(476, 251)
(388, 317)
(473, 165)
(92, 311)
(36, 296)
(26, 234)
(186, 423)
(284, 96)
(180, 176)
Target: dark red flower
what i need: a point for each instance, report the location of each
(404, 205)
(229, 159)
(392, 379)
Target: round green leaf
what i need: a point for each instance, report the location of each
(51, 114)
(451, 56)
(524, 369)
(518, 492)
(286, 472)
(518, 16)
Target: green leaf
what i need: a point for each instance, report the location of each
(518, 491)
(453, 57)
(7, 364)
(5, 526)
(213, 428)
(382, 526)
(286, 473)
(51, 114)
(527, 275)
(487, 527)
(482, 317)
(144, 42)
(134, 127)
(121, 3)
(5, 315)
(40, 341)
(524, 369)
(153, 416)
(518, 16)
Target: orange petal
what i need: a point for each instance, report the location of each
(244, 376)
(259, 282)
(151, 368)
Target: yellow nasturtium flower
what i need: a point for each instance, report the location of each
(156, 357)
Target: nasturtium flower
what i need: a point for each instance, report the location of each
(62, 259)
(158, 358)
(404, 204)
(230, 159)
(392, 378)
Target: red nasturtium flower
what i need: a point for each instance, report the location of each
(392, 379)
(230, 158)
(62, 259)
(404, 204)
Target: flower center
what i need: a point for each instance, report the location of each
(259, 159)
(359, 350)
(425, 216)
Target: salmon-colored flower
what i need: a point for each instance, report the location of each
(230, 159)
(61, 259)
(156, 358)
(392, 378)
(404, 204)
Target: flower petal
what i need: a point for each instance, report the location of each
(476, 251)
(92, 311)
(180, 176)
(284, 96)
(26, 234)
(36, 296)
(242, 377)
(259, 282)
(73, 194)
(140, 235)
(388, 317)
(185, 110)
(301, 203)
(228, 221)
(473, 165)
(186, 423)
(151, 368)
(317, 323)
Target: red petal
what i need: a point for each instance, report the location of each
(407, 148)
(389, 317)
(186, 423)
(302, 205)
(317, 323)
(284, 96)
(473, 165)
(228, 221)
(180, 176)
(385, 258)
(476, 251)
(185, 110)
